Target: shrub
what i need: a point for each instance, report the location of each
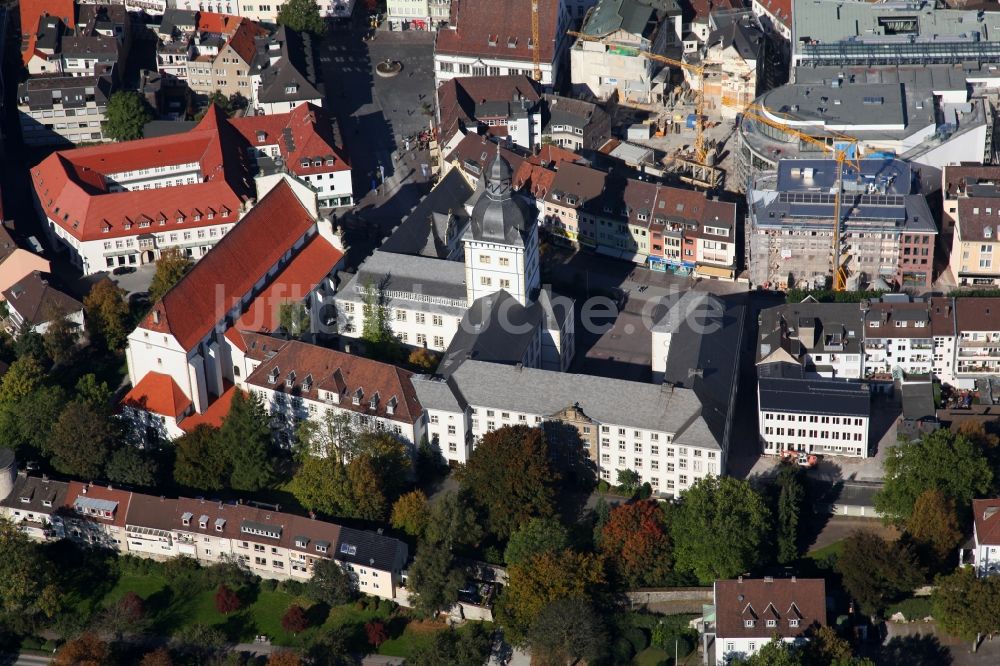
(295, 620)
(622, 651)
(492, 555)
(637, 637)
(268, 584)
(294, 588)
(376, 634)
(226, 601)
(602, 486)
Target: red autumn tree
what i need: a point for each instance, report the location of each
(226, 601)
(294, 620)
(376, 633)
(636, 541)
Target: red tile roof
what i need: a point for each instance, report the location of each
(216, 413)
(224, 24)
(781, 599)
(780, 9)
(72, 185)
(158, 393)
(977, 314)
(986, 513)
(306, 270)
(457, 99)
(228, 272)
(242, 40)
(312, 138)
(32, 11)
(76, 489)
(344, 374)
(485, 28)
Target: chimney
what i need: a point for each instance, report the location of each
(793, 579)
(740, 579)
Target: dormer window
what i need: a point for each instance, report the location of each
(493, 39)
(874, 324)
(330, 161)
(301, 542)
(772, 623)
(261, 136)
(186, 518)
(203, 521)
(373, 403)
(292, 88)
(307, 382)
(748, 624)
(290, 380)
(390, 407)
(348, 549)
(220, 524)
(272, 376)
(318, 163)
(357, 396)
(794, 622)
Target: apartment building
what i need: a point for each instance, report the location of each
(662, 432)
(285, 73)
(977, 339)
(824, 339)
(488, 38)
(575, 124)
(221, 61)
(83, 41)
(822, 416)
(506, 107)
(750, 613)
(887, 233)
(63, 110)
(972, 207)
(300, 381)
(196, 342)
(267, 11)
(632, 28)
(270, 543)
(663, 227)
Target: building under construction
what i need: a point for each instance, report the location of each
(886, 235)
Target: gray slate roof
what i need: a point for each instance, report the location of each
(402, 272)
(481, 336)
(814, 396)
(44, 495)
(615, 401)
(632, 16)
(298, 66)
(424, 232)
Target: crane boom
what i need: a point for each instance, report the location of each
(841, 155)
(536, 57)
(701, 154)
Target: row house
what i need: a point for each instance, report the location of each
(265, 11)
(221, 62)
(666, 228)
(299, 381)
(665, 433)
(84, 41)
(575, 124)
(270, 543)
(488, 38)
(972, 207)
(417, 14)
(285, 73)
(506, 107)
(191, 349)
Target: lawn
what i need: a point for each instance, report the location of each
(822, 554)
(652, 656)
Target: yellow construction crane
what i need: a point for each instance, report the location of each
(701, 155)
(536, 56)
(843, 148)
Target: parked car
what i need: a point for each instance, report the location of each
(123, 270)
(807, 460)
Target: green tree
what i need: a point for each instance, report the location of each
(330, 584)
(23, 377)
(245, 437)
(128, 465)
(81, 441)
(30, 343)
(876, 572)
(509, 476)
(775, 652)
(303, 16)
(933, 526)
(107, 315)
(60, 339)
(453, 522)
(568, 631)
(628, 482)
(200, 460)
(538, 535)
(543, 579)
(320, 484)
(826, 648)
(26, 424)
(940, 460)
(966, 606)
(294, 318)
(170, 268)
(95, 394)
(22, 573)
(367, 497)
(332, 435)
(391, 460)
(433, 580)
(720, 528)
(791, 504)
(228, 105)
(423, 360)
(469, 646)
(410, 513)
(376, 331)
(127, 115)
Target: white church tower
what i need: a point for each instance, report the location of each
(501, 242)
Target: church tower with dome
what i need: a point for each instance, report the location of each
(501, 241)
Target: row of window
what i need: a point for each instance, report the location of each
(812, 418)
(822, 434)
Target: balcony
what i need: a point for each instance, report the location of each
(981, 352)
